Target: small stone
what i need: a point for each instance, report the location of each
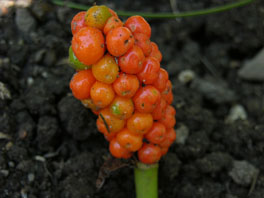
(216, 91)
(5, 173)
(254, 68)
(243, 172)
(4, 92)
(186, 76)
(24, 20)
(237, 112)
(11, 164)
(31, 177)
(182, 134)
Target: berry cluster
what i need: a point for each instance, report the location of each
(119, 78)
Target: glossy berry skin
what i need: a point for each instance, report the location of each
(129, 140)
(168, 117)
(159, 110)
(149, 154)
(106, 69)
(88, 45)
(114, 124)
(168, 120)
(112, 23)
(170, 137)
(126, 85)
(138, 24)
(75, 63)
(119, 41)
(81, 84)
(155, 52)
(142, 41)
(118, 151)
(96, 16)
(132, 61)
(122, 108)
(167, 93)
(146, 99)
(78, 22)
(140, 123)
(156, 134)
(162, 79)
(102, 94)
(150, 72)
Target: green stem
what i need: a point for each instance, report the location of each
(146, 180)
(162, 15)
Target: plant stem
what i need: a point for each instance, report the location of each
(162, 15)
(146, 180)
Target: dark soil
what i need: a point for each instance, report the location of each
(50, 147)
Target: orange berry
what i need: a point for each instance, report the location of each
(126, 85)
(138, 24)
(78, 22)
(140, 123)
(118, 151)
(164, 150)
(146, 99)
(132, 61)
(155, 51)
(169, 139)
(81, 84)
(119, 41)
(162, 79)
(159, 110)
(96, 16)
(149, 154)
(168, 118)
(108, 124)
(106, 69)
(102, 94)
(88, 45)
(129, 140)
(142, 41)
(156, 134)
(122, 107)
(150, 72)
(112, 23)
(167, 92)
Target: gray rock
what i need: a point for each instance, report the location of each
(254, 68)
(186, 76)
(243, 172)
(213, 90)
(237, 112)
(182, 134)
(24, 20)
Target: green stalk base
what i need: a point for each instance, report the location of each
(146, 180)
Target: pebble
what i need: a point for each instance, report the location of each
(237, 112)
(31, 177)
(24, 20)
(182, 134)
(4, 92)
(186, 76)
(243, 173)
(213, 90)
(5, 173)
(254, 68)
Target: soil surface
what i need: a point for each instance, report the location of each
(50, 147)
